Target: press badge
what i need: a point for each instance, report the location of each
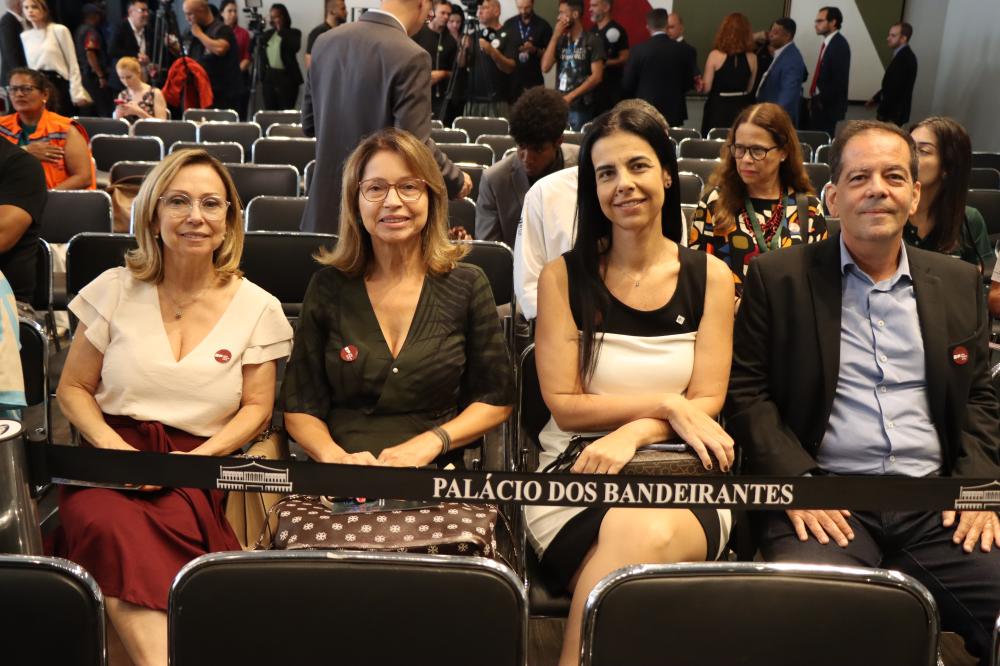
(564, 81)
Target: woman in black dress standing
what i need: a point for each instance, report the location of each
(282, 76)
(729, 73)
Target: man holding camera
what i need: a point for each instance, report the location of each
(491, 62)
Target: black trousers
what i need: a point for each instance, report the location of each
(280, 92)
(966, 586)
(104, 103)
(60, 102)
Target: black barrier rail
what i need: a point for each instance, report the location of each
(85, 466)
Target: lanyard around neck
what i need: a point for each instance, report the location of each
(759, 233)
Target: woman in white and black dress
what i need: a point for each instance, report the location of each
(634, 338)
(49, 48)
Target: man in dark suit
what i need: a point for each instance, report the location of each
(782, 82)
(828, 90)
(374, 63)
(133, 37)
(860, 355)
(11, 51)
(896, 94)
(675, 31)
(660, 70)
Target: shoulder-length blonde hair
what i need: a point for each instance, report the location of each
(353, 254)
(735, 35)
(146, 262)
(791, 174)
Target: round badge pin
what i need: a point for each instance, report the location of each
(349, 354)
(960, 355)
(223, 356)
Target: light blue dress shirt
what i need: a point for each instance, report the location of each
(881, 419)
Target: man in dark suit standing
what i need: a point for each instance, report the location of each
(828, 90)
(133, 37)
(896, 95)
(782, 82)
(861, 355)
(366, 76)
(11, 51)
(660, 70)
(675, 31)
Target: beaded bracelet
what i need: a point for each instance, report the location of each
(444, 437)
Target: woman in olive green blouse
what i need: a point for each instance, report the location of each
(398, 357)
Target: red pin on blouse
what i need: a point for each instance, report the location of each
(223, 356)
(960, 355)
(349, 354)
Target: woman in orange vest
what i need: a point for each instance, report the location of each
(58, 142)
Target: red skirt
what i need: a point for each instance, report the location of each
(133, 542)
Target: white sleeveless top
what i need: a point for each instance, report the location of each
(140, 378)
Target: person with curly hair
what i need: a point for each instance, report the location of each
(537, 122)
(730, 70)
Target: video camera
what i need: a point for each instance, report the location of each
(471, 17)
(252, 9)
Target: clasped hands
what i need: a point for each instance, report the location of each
(415, 452)
(700, 431)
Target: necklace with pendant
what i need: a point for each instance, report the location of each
(179, 308)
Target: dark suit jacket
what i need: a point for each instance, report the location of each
(123, 44)
(786, 359)
(692, 57)
(782, 83)
(365, 76)
(660, 71)
(896, 94)
(291, 42)
(834, 75)
(11, 51)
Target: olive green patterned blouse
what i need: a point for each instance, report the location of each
(342, 372)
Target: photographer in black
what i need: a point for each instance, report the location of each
(443, 50)
(491, 59)
(213, 46)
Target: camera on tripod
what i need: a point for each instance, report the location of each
(256, 22)
(471, 17)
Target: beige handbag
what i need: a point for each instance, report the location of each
(248, 512)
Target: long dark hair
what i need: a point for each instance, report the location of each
(284, 14)
(593, 228)
(955, 157)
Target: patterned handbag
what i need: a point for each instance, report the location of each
(667, 460)
(448, 528)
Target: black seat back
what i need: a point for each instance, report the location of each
(680, 133)
(476, 153)
(702, 149)
(282, 263)
(52, 612)
(984, 179)
(224, 151)
(703, 167)
(284, 150)
(267, 118)
(120, 170)
(267, 213)
(497, 261)
(362, 609)
(242, 133)
(253, 180)
(90, 254)
(107, 149)
(34, 362)
(691, 188)
(98, 125)
(819, 174)
(69, 212)
(169, 131)
(462, 213)
(476, 126)
(987, 202)
(775, 615)
(211, 115)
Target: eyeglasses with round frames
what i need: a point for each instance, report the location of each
(376, 190)
(757, 153)
(181, 205)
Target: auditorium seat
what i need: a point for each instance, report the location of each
(475, 172)
(759, 614)
(267, 118)
(544, 598)
(282, 263)
(691, 186)
(224, 151)
(819, 174)
(211, 115)
(476, 153)
(90, 254)
(68, 212)
(689, 210)
(681, 133)
(705, 149)
(813, 137)
(286, 129)
(128, 169)
(44, 294)
(500, 143)
(266, 213)
(575, 138)
(497, 261)
(718, 134)
(108, 149)
(169, 131)
(807, 152)
(987, 202)
(462, 213)
(832, 226)
(253, 180)
(984, 160)
(357, 608)
(823, 153)
(996, 643)
(476, 126)
(284, 150)
(984, 179)
(95, 125)
(242, 133)
(449, 136)
(308, 175)
(52, 612)
(436, 124)
(704, 168)
(35, 374)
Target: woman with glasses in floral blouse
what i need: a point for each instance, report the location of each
(761, 198)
